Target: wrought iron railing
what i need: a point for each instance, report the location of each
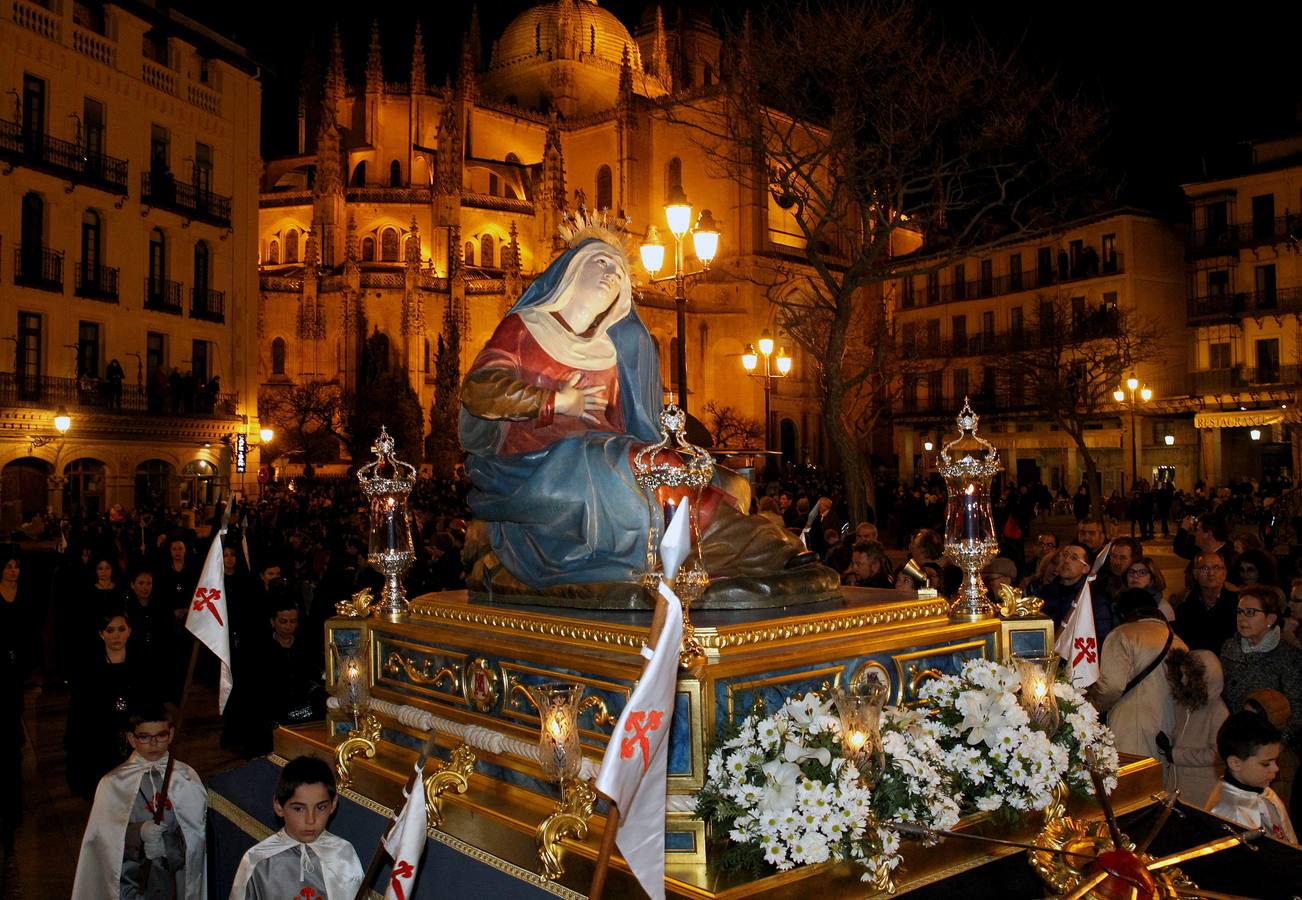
(161, 188)
(1030, 279)
(208, 305)
(64, 159)
(47, 392)
(96, 282)
(1245, 303)
(164, 296)
(38, 267)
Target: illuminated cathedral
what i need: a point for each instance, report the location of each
(410, 207)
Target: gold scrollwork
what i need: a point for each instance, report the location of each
(397, 662)
(360, 743)
(1015, 605)
(918, 677)
(358, 606)
(602, 715)
(453, 776)
(570, 820)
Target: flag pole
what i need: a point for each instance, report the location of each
(602, 864)
(377, 858)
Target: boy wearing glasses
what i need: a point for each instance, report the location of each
(130, 851)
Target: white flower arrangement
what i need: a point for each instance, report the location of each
(781, 790)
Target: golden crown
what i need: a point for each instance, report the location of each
(582, 224)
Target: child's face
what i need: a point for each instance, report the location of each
(1257, 770)
(150, 740)
(306, 812)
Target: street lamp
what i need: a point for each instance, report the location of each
(782, 362)
(62, 422)
(1145, 394)
(705, 240)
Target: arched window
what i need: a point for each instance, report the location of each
(604, 189)
(278, 356)
(359, 175)
(84, 486)
(470, 253)
(389, 245)
(273, 253)
(291, 246)
(395, 174)
(487, 251)
(673, 176)
(157, 262)
(153, 484)
(201, 271)
(90, 243)
(368, 249)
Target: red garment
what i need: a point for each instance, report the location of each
(513, 348)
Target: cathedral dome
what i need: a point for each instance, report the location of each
(565, 29)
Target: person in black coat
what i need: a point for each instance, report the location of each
(1208, 614)
(18, 614)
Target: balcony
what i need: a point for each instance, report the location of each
(207, 305)
(1229, 237)
(160, 188)
(63, 159)
(1227, 307)
(1029, 280)
(163, 296)
(39, 268)
(1102, 324)
(1243, 378)
(45, 392)
(96, 283)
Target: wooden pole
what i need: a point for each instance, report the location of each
(189, 679)
(377, 858)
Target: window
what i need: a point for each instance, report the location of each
(1218, 283)
(1015, 272)
(470, 253)
(960, 384)
(278, 356)
(157, 262)
(910, 391)
(1044, 266)
(273, 253)
(368, 249)
(1263, 217)
(359, 175)
(605, 189)
(988, 329)
(906, 292)
(960, 282)
(29, 366)
(33, 110)
(673, 177)
(958, 329)
(201, 271)
(910, 337)
(987, 277)
(933, 287)
(1109, 253)
(1016, 392)
(92, 130)
(1078, 312)
(154, 47)
(202, 175)
(1218, 356)
(1075, 251)
(1216, 222)
(936, 389)
(160, 142)
(1016, 326)
(988, 383)
(155, 352)
(90, 247)
(1265, 284)
(395, 175)
(1268, 361)
(933, 335)
(291, 245)
(32, 228)
(389, 245)
(1047, 317)
(487, 251)
(199, 362)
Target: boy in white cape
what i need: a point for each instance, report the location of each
(302, 859)
(124, 853)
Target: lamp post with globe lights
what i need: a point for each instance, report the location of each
(705, 241)
(1145, 394)
(781, 362)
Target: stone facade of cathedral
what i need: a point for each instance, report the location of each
(410, 206)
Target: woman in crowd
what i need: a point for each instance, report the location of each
(1252, 567)
(100, 701)
(17, 621)
(1196, 681)
(1143, 574)
(1046, 570)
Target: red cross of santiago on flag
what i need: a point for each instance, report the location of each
(206, 598)
(641, 724)
(401, 869)
(1086, 650)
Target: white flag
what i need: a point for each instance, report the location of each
(634, 770)
(1078, 641)
(405, 842)
(207, 617)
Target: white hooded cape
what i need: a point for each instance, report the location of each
(341, 870)
(99, 866)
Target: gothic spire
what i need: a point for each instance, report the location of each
(374, 62)
(476, 43)
(625, 75)
(413, 243)
(334, 81)
(418, 62)
(660, 52)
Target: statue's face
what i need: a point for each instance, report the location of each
(597, 284)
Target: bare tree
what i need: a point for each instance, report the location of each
(310, 415)
(890, 149)
(729, 428)
(1071, 361)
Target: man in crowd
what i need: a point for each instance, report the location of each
(1092, 535)
(1111, 581)
(1206, 534)
(1206, 616)
(1060, 594)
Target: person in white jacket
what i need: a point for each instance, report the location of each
(1196, 682)
(128, 851)
(1249, 745)
(303, 859)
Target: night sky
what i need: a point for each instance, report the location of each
(1182, 87)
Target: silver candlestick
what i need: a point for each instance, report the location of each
(387, 482)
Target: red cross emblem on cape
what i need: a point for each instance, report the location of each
(306, 894)
(1086, 647)
(401, 869)
(641, 724)
(205, 598)
(151, 805)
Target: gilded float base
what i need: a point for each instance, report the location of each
(502, 820)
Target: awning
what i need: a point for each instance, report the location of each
(1239, 418)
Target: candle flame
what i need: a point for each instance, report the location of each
(856, 740)
(556, 727)
(971, 489)
(1039, 690)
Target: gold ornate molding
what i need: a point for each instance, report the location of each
(358, 606)
(1015, 605)
(397, 662)
(455, 776)
(361, 743)
(570, 820)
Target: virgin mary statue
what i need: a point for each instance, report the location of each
(567, 388)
